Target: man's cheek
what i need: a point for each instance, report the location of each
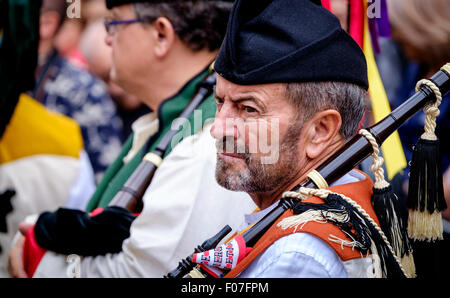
(263, 138)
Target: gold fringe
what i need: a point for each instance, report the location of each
(321, 216)
(301, 219)
(424, 226)
(377, 270)
(321, 193)
(409, 267)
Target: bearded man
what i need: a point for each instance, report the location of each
(288, 68)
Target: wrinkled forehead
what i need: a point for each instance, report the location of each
(265, 92)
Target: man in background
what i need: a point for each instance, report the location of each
(67, 89)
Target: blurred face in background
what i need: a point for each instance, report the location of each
(422, 28)
(131, 50)
(99, 58)
(93, 10)
(340, 10)
(50, 22)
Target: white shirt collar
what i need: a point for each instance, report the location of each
(143, 128)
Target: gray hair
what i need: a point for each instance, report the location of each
(199, 24)
(348, 99)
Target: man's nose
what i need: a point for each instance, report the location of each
(225, 124)
(108, 39)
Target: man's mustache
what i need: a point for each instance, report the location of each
(230, 145)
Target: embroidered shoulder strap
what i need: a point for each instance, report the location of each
(361, 191)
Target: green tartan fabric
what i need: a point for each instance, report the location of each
(118, 172)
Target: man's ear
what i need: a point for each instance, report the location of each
(322, 130)
(164, 36)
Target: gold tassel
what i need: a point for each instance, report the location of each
(425, 192)
(388, 209)
(424, 226)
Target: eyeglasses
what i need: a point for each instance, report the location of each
(110, 26)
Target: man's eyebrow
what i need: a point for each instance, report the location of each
(252, 99)
(244, 98)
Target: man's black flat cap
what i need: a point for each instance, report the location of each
(112, 3)
(288, 41)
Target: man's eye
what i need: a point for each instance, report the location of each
(249, 109)
(219, 101)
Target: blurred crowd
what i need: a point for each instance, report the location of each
(73, 79)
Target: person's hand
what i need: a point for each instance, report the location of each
(24, 227)
(15, 261)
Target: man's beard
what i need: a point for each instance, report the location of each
(258, 177)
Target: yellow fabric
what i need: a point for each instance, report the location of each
(392, 149)
(33, 129)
